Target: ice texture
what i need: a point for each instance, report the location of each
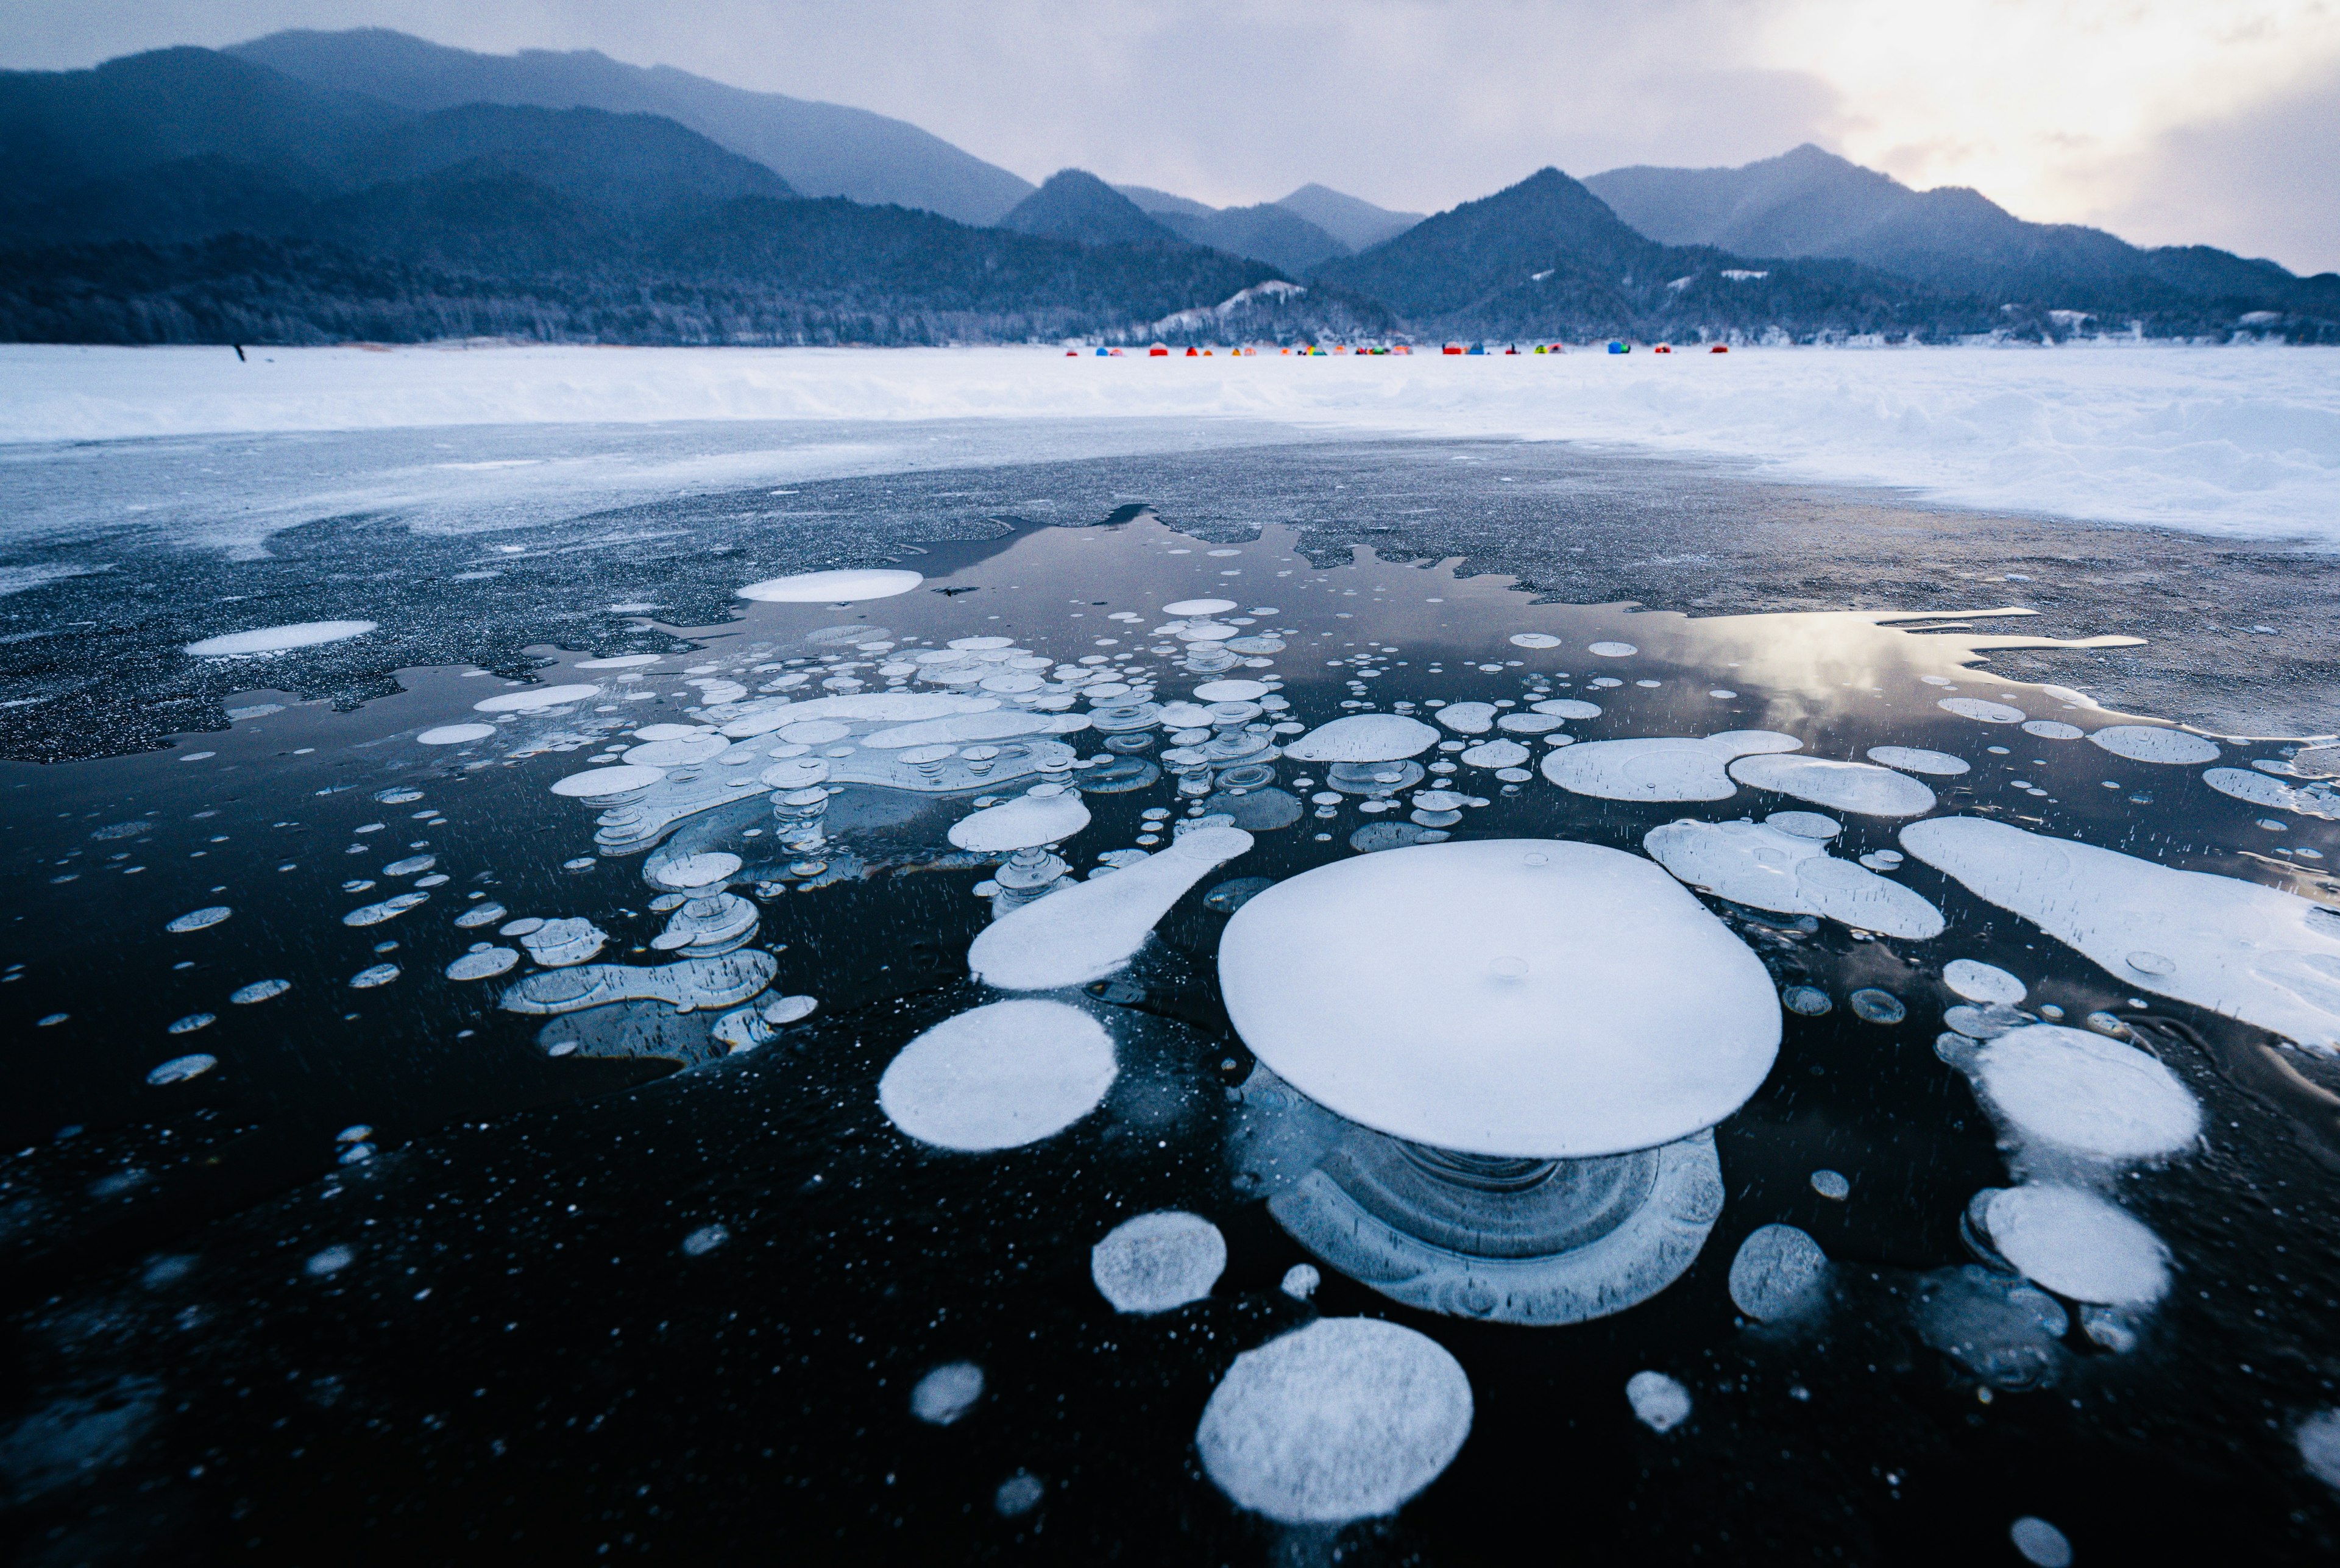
(946, 1393)
(999, 1076)
(1981, 982)
(2151, 743)
(1519, 998)
(2085, 1094)
(280, 639)
(1348, 1418)
(1364, 738)
(1661, 768)
(1756, 864)
(845, 587)
(1855, 787)
(533, 697)
(1659, 1402)
(1778, 1273)
(2255, 953)
(1087, 931)
(1158, 1261)
(1917, 760)
(1023, 823)
(2078, 1245)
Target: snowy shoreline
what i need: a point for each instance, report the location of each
(2238, 442)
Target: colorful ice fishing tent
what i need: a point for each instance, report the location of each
(1663, 349)
(1719, 349)
(1617, 347)
(1157, 352)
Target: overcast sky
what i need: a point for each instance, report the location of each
(2166, 121)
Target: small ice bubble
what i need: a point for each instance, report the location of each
(410, 866)
(482, 963)
(374, 974)
(1659, 1402)
(1981, 982)
(2087, 1095)
(330, 1260)
(192, 1022)
(486, 914)
(705, 1239)
(1778, 1273)
(1301, 1280)
(2078, 1245)
(1875, 1007)
(1808, 1000)
(1535, 639)
(1000, 1075)
(2151, 743)
(1832, 1184)
(2041, 1543)
(1158, 1261)
(258, 991)
(788, 1010)
(946, 1393)
(1018, 1495)
(179, 1069)
(198, 919)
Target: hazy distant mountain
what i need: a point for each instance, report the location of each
(819, 149)
(1268, 232)
(1811, 202)
(1160, 202)
(1075, 204)
(1358, 224)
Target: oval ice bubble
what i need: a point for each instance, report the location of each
(2151, 743)
(1348, 1418)
(1535, 639)
(849, 586)
(179, 1069)
(597, 783)
(1981, 982)
(280, 639)
(1364, 738)
(999, 1076)
(2078, 1245)
(1026, 822)
(1977, 708)
(2087, 1095)
(1467, 717)
(455, 734)
(1088, 930)
(1917, 760)
(1612, 649)
(1854, 787)
(535, 696)
(1158, 1261)
(946, 1393)
(198, 919)
(1778, 1273)
(1199, 607)
(1661, 767)
(1659, 1402)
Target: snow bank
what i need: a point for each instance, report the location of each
(2241, 442)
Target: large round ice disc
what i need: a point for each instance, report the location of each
(1512, 996)
(832, 587)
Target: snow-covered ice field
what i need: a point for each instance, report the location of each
(2237, 441)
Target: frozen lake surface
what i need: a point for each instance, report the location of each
(528, 1048)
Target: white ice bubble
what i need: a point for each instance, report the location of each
(2318, 1438)
(1981, 982)
(1496, 754)
(1756, 864)
(2248, 784)
(1855, 787)
(1659, 1402)
(2040, 1544)
(957, 728)
(388, 909)
(1917, 760)
(1535, 639)
(1516, 998)
(1348, 1418)
(596, 783)
(624, 661)
(1567, 707)
(455, 734)
(1832, 1184)
(1778, 1273)
(198, 919)
(279, 639)
(1805, 824)
(258, 991)
(690, 752)
(2250, 952)
(2078, 1245)
(1000, 1075)
(1158, 1261)
(2083, 1094)
(946, 1393)
(1026, 822)
(1364, 738)
(330, 1260)
(1199, 607)
(1660, 768)
(790, 1009)
(1976, 708)
(2052, 729)
(1612, 649)
(1300, 1281)
(846, 587)
(2151, 743)
(482, 963)
(374, 974)
(179, 1069)
(1530, 723)
(1232, 691)
(1467, 717)
(192, 1022)
(1089, 929)
(705, 1239)
(556, 943)
(535, 696)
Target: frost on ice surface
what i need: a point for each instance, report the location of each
(279, 639)
(2254, 953)
(1976, 708)
(1467, 717)
(2078, 1245)
(533, 697)
(1854, 787)
(2318, 1438)
(455, 734)
(1001, 1076)
(946, 1393)
(1756, 864)
(1086, 930)
(1023, 823)
(198, 919)
(2085, 1094)
(1348, 1418)
(179, 1069)
(1659, 1402)
(1364, 738)
(1981, 982)
(1515, 997)
(1158, 1261)
(1664, 768)
(831, 586)
(2151, 743)
(1917, 760)
(1779, 1272)
(2041, 1543)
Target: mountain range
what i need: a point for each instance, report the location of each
(316, 187)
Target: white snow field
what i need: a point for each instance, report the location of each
(2230, 440)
